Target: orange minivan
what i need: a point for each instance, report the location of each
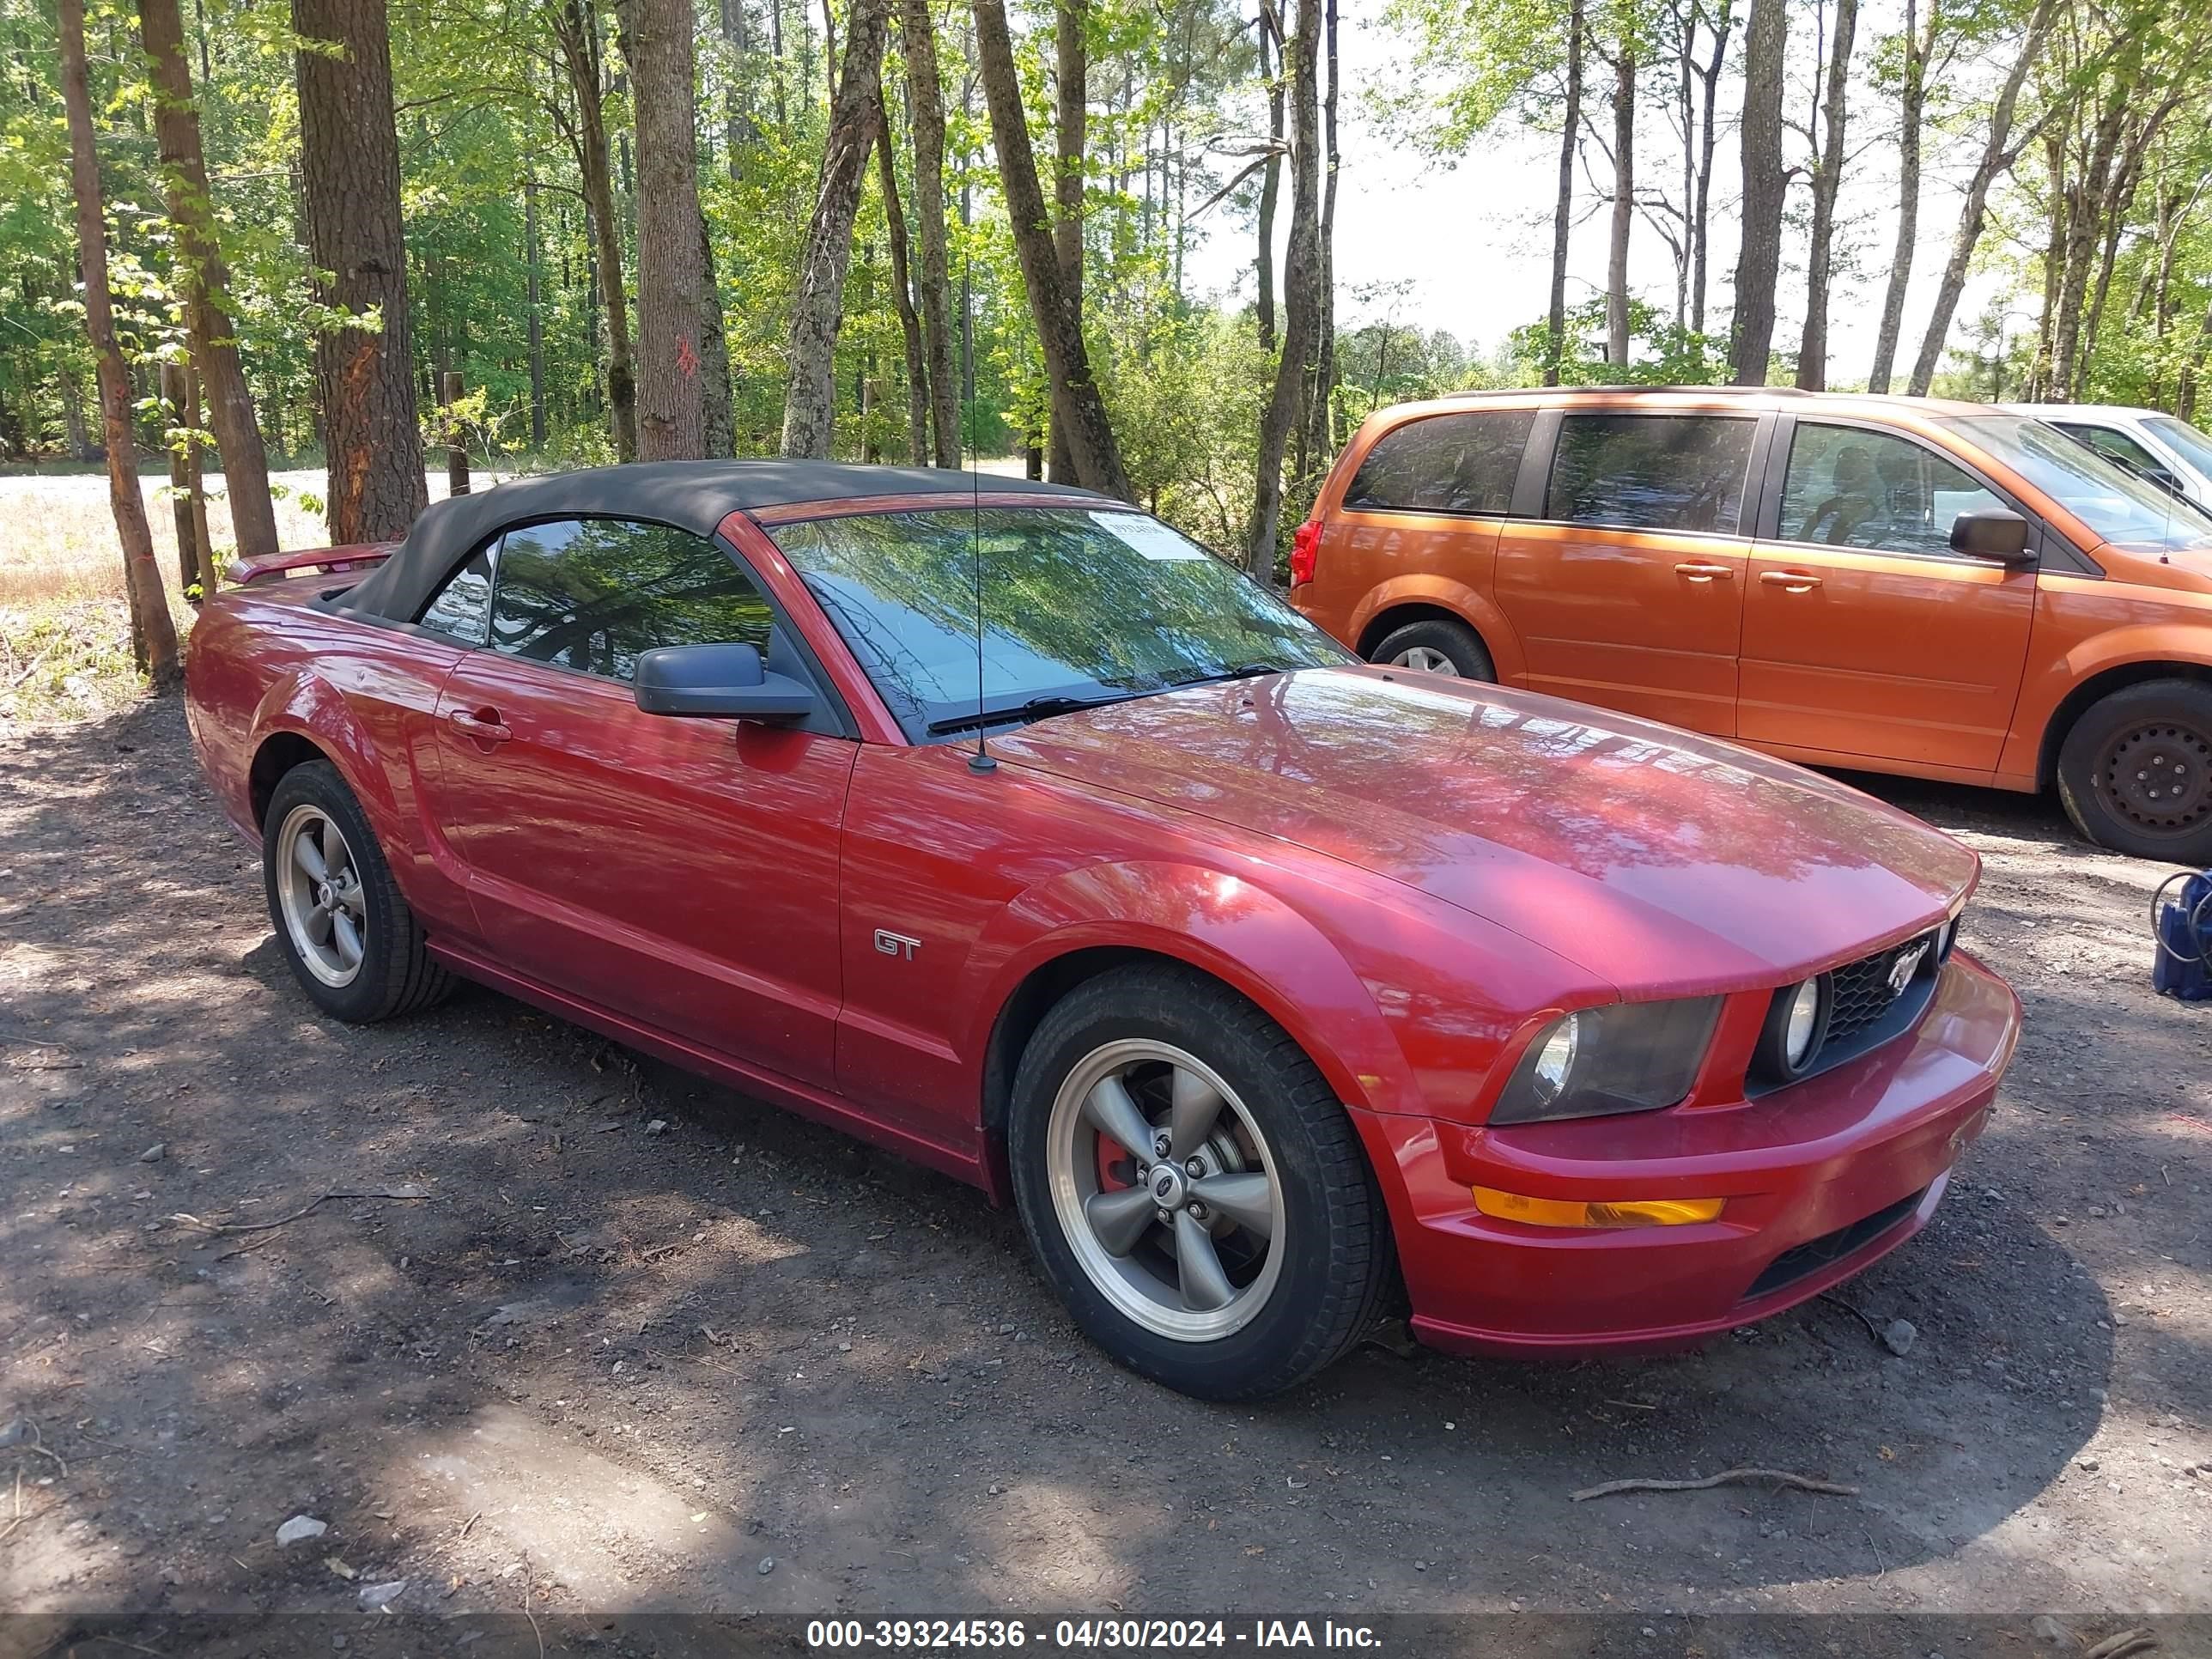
(1890, 584)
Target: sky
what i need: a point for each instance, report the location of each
(1474, 242)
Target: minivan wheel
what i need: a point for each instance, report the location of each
(2136, 771)
(1192, 1186)
(354, 945)
(1436, 645)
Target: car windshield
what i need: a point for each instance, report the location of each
(2194, 447)
(2115, 503)
(1080, 606)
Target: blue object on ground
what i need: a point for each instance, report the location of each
(2182, 965)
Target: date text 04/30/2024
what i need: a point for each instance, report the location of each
(935, 1634)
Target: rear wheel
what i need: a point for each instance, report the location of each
(1193, 1186)
(2136, 772)
(354, 945)
(1436, 645)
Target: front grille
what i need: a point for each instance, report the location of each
(1866, 1007)
(1860, 993)
(1815, 1253)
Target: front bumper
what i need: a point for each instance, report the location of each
(1820, 1179)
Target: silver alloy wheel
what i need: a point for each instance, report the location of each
(1192, 1247)
(320, 890)
(1425, 658)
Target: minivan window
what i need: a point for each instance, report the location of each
(1444, 464)
(1651, 472)
(2117, 445)
(2115, 505)
(1848, 486)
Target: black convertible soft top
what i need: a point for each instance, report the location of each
(692, 495)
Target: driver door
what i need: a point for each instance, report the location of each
(1864, 636)
(681, 871)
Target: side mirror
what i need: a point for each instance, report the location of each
(1991, 532)
(726, 680)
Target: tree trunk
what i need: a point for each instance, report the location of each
(736, 118)
(1077, 406)
(1708, 141)
(1812, 345)
(206, 282)
(720, 398)
(1912, 101)
(532, 296)
(671, 277)
(350, 167)
(926, 114)
(1072, 107)
(76, 435)
(1317, 448)
(917, 367)
(576, 31)
(1271, 175)
(181, 417)
(818, 309)
(1759, 262)
(153, 633)
(1999, 152)
(1563, 209)
(1623, 206)
(1301, 277)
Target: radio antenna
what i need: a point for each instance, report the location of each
(981, 761)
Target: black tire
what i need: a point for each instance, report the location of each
(1456, 642)
(395, 974)
(1335, 1251)
(2136, 771)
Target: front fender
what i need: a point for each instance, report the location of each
(2124, 646)
(1219, 923)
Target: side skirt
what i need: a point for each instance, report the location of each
(962, 1163)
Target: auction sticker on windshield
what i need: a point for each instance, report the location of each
(1148, 536)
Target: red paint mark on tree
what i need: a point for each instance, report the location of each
(687, 359)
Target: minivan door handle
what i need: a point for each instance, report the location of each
(1698, 571)
(1796, 581)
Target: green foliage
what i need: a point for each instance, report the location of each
(1661, 352)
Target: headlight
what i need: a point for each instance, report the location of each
(1796, 1021)
(1625, 1057)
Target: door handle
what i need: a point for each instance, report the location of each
(1794, 581)
(483, 725)
(1698, 571)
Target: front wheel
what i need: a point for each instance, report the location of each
(1193, 1188)
(2136, 771)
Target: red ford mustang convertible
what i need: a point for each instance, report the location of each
(1015, 832)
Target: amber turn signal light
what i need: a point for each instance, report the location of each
(1572, 1212)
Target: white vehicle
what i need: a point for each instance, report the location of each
(2163, 448)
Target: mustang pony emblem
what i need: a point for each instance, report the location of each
(1902, 970)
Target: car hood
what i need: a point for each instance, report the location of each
(1651, 857)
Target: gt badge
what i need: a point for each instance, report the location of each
(896, 944)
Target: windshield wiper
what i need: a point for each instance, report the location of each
(1244, 671)
(1036, 709)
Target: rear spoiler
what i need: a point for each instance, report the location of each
(363, 557)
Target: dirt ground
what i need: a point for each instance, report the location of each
(648, 1346)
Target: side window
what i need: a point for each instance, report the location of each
(462, 609)
(594, 594)
(1652, 471)
(1444, 464)
(1848, 487)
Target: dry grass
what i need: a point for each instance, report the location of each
(65, 632)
